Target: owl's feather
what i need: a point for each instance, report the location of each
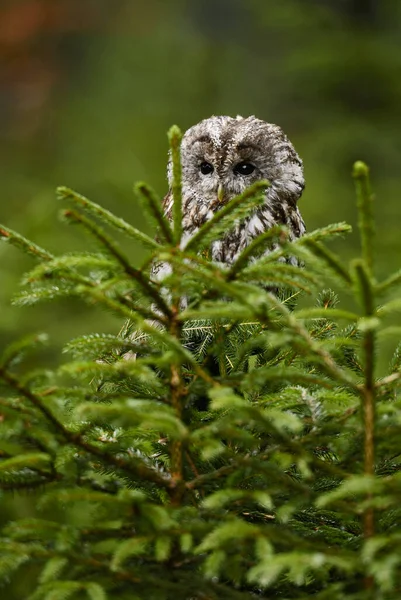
(226, 144)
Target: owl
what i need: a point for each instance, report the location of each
(221, 157)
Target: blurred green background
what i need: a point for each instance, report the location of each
(88, 89)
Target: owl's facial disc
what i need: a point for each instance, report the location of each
(220, 181)
(221, 177)
(242, 169)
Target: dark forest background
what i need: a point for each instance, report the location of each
(88, 89)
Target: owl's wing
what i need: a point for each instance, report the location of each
(159, 270)
(168, 205)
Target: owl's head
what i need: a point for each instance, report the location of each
(232, 153)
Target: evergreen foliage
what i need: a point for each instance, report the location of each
(228, 443)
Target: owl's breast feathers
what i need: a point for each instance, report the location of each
(226, 250)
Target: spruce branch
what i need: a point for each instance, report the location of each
(105, 215)
(22, 243)
(365, 284)
(365, 287)
(302, 335)
(135, 467)
(257, 245)
(388, 284)
(329, 258)
(302, 247)
(326, 313)
(178, 394)
(175, 137)
(324, 233)
(152, 330)
(365, 211)
(152, 205)
(17, 350)
(28, 485)
(68, 281)
(112, 248)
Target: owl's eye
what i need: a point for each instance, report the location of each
(206, 168)
(244, 168)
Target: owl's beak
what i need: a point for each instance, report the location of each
(220, 193)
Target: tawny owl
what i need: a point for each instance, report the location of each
(221, 157)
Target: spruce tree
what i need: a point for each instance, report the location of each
(230, 442)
